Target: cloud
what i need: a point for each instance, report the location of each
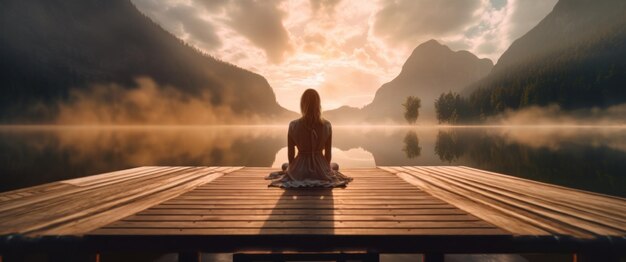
(403, 21)
(183, 20)
(296, 44)
(213, 6)
(348, 86)
(261, 23)
(326, 6)
(524, 15)
(501, 23)
(203, 31)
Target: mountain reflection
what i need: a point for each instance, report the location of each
(587, 158)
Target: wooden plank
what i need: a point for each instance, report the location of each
(67, 202)
(378, 202)
(303, 191)
(555, 193)
(270, 204)
(408, 202)
(100, 219)
(479, 208)
(614, 199)
(278, 217)
(189, 196)
(228, 169)
(245, 194)
(545, 200)
(260, 180)
(486, 201)
(254, 211)
(506, 210)
(36, 189)
(354, 189)
(313, 202)
(75, 208)
(251, 196)
(90, 180)
(544, 214)
(38, 202)
(133, 176)
(299, 224)
(297, 206)
(301, 231)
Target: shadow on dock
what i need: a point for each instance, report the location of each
(308, 210)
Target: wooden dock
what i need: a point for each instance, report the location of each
(430, 210)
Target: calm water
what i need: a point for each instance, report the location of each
(587, 158)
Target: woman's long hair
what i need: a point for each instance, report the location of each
(311, 108)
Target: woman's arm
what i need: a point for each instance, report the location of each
(291, 144)
(329, 144)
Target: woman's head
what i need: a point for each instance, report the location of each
(311, 107)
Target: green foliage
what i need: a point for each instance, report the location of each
(588, 73)
(452, 108)
(412, 105)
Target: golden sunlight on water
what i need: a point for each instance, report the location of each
(590, 158)
(354, 157)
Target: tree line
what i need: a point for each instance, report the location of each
(591, 73)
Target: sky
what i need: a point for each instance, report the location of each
(345, 49)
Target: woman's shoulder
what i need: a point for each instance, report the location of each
(294, 123)
(326, 122)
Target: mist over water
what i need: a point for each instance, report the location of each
(586, 158)
(147, 103)
(553, 115)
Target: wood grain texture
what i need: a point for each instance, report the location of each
(385, 201)
(521, 206)
(73, 207)
(240, 203)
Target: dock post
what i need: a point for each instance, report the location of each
(189, 257)
(596, 256)
(372, 257)
(433, 257)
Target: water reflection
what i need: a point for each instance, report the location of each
(412, 147)
(587, 158)
(590, 159)
(449, 146)
(33, 156)
(354, 157)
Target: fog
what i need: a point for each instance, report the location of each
(591, 158)
(147, 103)
(554, 115)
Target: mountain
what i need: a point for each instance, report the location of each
(50, 47)
(431, 69)
(573, 58)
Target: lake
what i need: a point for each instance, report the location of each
(589, 158)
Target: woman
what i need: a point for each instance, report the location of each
(311, 135)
